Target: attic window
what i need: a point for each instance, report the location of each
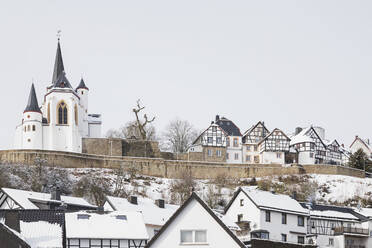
(83, 216)
(121, 217)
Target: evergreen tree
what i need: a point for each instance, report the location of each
(359, 160)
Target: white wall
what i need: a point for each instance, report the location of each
(271, 158)
(359, 145)
(216, 235)
(304, 158)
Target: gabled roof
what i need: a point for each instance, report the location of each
(269, 201)
(58, 64)
(152, 214)
(106, 225)
(194, 197)
(333, 212)
(32, 104)
(25, 199)
(253, 127)
(304, 137)
(275, 130)
(228, 126)
(82, 85)
(213, 124)
(365, 143)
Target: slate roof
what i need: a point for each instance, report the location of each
(82, 85)
(328, 211)
(58, 64)
(228, 126)
(62, 82)
(32, 104)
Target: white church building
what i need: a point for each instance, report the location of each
(62, 120)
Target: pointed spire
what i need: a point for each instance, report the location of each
(58, 64)
(32, 104)
(82, 85)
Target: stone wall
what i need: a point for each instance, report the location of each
(103, 146)
(141, 148)
(167, 168)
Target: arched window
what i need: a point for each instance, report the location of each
(62, 113)
(76, 114)
(48, 113)
(28, 128)
(33, 128)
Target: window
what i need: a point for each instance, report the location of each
(219, 140)
(311, 154)
(227, 156)
(312, 145)
(236, 143)
(218, 153)
(248, 147)
(76, 114)
(121, 217)
(236, 156)
(248, 158)
(284, 218)
(33, 128)
(312, 224)
(278, 155)
(267, 216)
(331, 242)
(255, 148)
(241, 202)
(240, 217)
(214, 129)
(25, 128)
(264, 235)
(284, 237)
(301, 239)
(209, 153)
(62, 113)
(28, 128)
(83, 216)
(210, 139)
(193, 236)
(256, 159)
(300, 221)
(227, 141)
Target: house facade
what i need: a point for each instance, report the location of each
(363, 144)
(251, 139)
(207, 231)
(274, 147)
(268, 216)
(62, 120)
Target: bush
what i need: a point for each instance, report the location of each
(181, 189)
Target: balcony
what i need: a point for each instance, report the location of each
(351, 231)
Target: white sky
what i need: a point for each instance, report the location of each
(289, 63)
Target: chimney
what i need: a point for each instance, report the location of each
(368, 141)
(217, 117)
(133, 199)
(212, 122)
(56, 195)
(342, 145)
(294, 195)
(160, 203)
(12, 220)
(298, 130)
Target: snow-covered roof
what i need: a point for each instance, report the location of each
(227, 221)
(267, 200)
(301, 137)
(106, 225)
(152, 214)
(24, 198)
(333, 212)
(42, 234)
(364, 211)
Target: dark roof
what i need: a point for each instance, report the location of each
(228, 126)
(58, 64)
(317, 207)
(11, 237)
(82, 85)
(194, 196)
(62, 82)
(32, 104)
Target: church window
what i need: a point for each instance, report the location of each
(28, 116)
(33, 128)
(28, 128)
(76, 114)
(82, 93)
(48, 114)
(25, 128)
(62, 113)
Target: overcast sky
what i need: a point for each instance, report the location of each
(288, 63)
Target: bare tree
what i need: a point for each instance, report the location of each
(179, 135)
(141, 124)
(181, 189)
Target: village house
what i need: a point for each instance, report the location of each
(251, 139)
(22, 199)
(363, 144)
(274, 147)
(207, 229)
(267, 215)
(96, 229)
(155, 213)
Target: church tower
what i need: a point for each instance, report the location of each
(32, 137)
(83, 92)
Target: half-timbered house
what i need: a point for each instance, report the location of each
(251, 139)
(274, 147)
(334, 153)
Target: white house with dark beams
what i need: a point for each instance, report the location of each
(62, 120)
(251, 139)
(155, 213)
(268, 215)
(194, 224)
(274, 147)
(363, 144)
(119, 229)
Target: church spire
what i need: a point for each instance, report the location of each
(58, 64)
(82, 85)
(32, 104)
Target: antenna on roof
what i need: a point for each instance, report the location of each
(59, 34)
